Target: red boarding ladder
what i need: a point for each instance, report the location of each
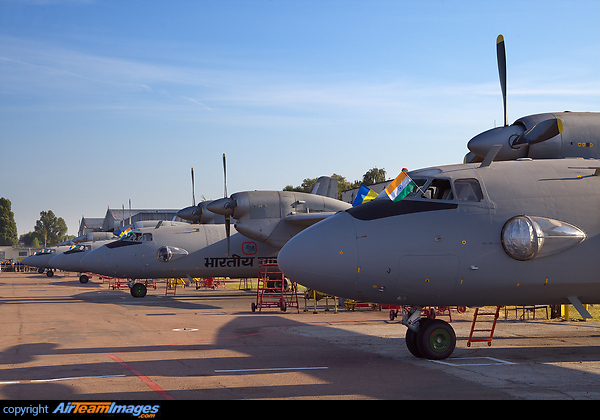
(490, 330)
(274, 290)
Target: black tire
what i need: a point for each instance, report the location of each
(49, 273)
(411, 343)
(436, 339)
(83, 279)
(138, 290)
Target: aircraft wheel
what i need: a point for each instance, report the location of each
(411, 343)
(436, 339)
(49, 273)
(138, 290)
(40, 271)
(83, 279)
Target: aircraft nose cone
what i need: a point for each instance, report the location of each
(323, 257)
(222, 206)
(95, 261)
(483, 142)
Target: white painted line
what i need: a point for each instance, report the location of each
(267, 369)
(496, 362)
(61, 379)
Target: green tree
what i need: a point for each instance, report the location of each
(50, 229)
(30, 239)
(8, 227)
(374, 176)
(306, 186)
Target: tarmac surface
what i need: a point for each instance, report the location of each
(65, 340)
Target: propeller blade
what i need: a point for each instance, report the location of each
(540, 132)
(501, 54)
(193, 189)
(228, 230)
(224, 175)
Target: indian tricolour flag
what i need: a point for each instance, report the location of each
(400, 187)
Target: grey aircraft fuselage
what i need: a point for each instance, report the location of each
(453, 249)
(41, 259)
(175, 250)
(70, 260)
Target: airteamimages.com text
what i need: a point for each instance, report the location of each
(66, 408)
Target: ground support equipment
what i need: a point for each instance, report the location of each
(171, 286)
(486, 330)
(207, 283)
(274, 290)
(316, 296)
(352, 304)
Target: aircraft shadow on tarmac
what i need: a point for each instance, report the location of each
(271, 356)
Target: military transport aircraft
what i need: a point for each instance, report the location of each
(175, 250)
(503, 233)
(172, 249)
(41, 259)
(536, 136)
(70, 260)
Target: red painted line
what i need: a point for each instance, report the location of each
(153, 385)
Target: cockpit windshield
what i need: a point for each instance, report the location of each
(465, 190)
(134, 236)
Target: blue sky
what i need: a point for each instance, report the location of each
(104, 101)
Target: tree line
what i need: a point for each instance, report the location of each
(372, 176)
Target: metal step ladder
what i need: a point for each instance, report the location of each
(274, 290)
(487, 330)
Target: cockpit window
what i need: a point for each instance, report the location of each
(468, 190)
(137, 237)
(437, 189)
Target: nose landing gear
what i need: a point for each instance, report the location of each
(428, 338)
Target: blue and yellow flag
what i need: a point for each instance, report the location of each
(364, 195)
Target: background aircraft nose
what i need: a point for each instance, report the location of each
(324, 256)
(94, 261)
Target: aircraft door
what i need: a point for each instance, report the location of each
(423, 279)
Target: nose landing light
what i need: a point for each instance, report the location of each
(170, 253)
(528, 237)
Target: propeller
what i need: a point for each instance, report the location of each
(513, 138)
(501, 55)
(227, 213)
(542, 131)
(227, 216)
(193, 189)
